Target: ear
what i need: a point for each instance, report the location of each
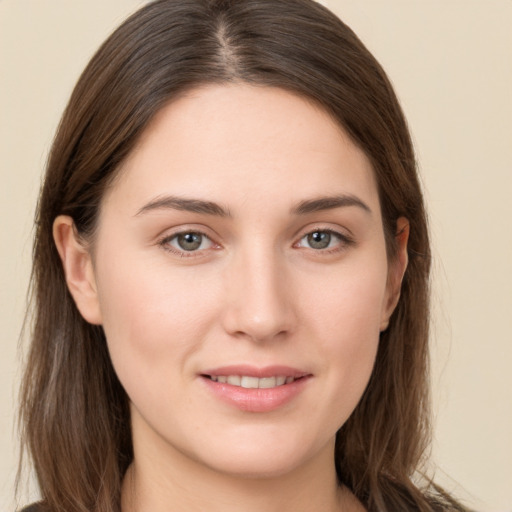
(78, 268)
(396, 271)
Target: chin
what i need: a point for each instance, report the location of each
(256, 468)
(268, 458)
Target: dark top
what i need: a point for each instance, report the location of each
(35, 507)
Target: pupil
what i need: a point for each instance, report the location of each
(319, 240)
(189, 241)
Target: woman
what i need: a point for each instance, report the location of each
(231, 274)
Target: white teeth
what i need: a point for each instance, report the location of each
(267, 382)
(249, 382)
(234, 380)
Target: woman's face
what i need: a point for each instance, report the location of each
(241, 278)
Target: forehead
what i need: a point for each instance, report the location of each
(240, 141)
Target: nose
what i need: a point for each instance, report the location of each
(259, 305)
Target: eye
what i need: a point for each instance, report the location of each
(322, 239)
(187, 242)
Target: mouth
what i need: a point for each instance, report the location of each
(256, 389)
(251, 382)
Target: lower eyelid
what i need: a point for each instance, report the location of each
(165, 243)
(343, 241)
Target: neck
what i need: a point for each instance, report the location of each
(152, 483)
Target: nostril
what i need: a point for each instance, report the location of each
(258, 309)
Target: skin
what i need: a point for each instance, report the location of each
(255, 291)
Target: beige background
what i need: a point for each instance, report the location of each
(451, 63)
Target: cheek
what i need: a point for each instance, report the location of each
(350, 302)
(347, 319)
(152, 316)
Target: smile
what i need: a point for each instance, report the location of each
(249, 382)
(256, 389)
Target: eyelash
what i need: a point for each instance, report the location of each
(165, 243)
(343, 243)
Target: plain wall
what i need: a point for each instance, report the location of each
(451, 64)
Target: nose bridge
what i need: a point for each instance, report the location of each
(258, 301)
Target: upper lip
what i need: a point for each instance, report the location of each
(253, 371)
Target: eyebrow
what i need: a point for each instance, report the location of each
(185, 204)
(211, 208)
(329, 203)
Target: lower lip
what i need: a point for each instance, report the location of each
(256, 400)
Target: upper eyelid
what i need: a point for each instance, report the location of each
(323, 230)
(179, 230)
(342, 232)
(343, 239)
(171, 236)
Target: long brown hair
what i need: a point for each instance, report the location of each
(74, 412)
